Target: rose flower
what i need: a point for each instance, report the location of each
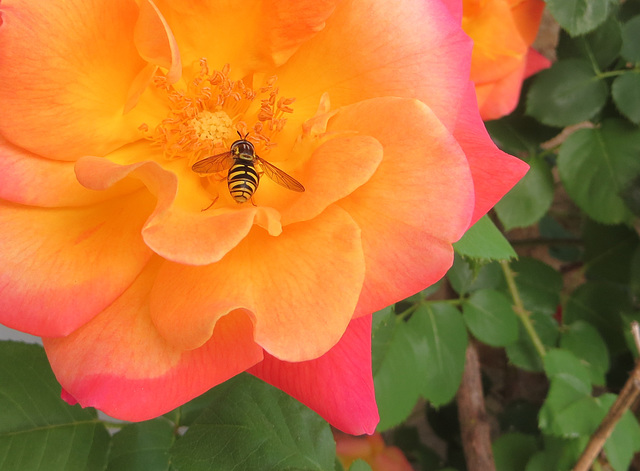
(502, 32)
(148, 282)
(371, 449)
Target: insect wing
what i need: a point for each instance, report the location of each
(279, 176)
(215, 163)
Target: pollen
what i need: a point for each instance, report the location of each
(207, 113)
(214, 126)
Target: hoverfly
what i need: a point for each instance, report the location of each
(243, 178)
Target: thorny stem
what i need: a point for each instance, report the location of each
(519, 309)
(630, 392)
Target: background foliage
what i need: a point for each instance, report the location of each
(551, 325)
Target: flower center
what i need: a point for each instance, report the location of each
(206, 116)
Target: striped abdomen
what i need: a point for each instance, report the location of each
(243, 180)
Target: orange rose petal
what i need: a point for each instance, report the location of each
(120, 364)
(52, 183)
(417, 203)
(338, 385)
(61, 267)
(527, 15)
(336, 168)
(498, 47)
(394, 49)
(494, 172)
(251, 35)
(499, 98)
(210, 236)
(155, 42)
(302, 284)
(76, 60)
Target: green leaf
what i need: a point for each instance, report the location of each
(600, 305)
(569, 383)
(625, 91)
(569, 92)
(530, 199)
(552, 229)
(539, 285)
(397, 371)
(517, 133)
(360, 465)
(602, 45)
(484, 241)
(624, 441)
(252, 425)
(580, 16)
(442, 329)
(580, 418)
(522, 353)
(466, 276)
(560, 454)
(608, 252)
(586, 343)
(597, 164)
(142, 446)
(383, 326)
(512, 451)
(631, 40)
(38, 431)
(490, 317)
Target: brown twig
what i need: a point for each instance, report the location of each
(626, 398)
(474, 427)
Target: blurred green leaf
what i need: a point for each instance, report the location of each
(586, 343)
(512, 451)
(600, 305)
(560, 454)
(625, 91)
(602, 45)
(567, 93)
(444, 334)
(490, 318)
(252, 425)
(359, 465)
(39, 431)
(608, 251)
(596, 165)
(141, 447)
(530, 199)
(579, 418)
(631, 40)
(483, 241)
(519, 416)
(550, 228)
(580, 16)
(522, 353)
(518, 133)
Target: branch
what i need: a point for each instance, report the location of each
(474, 427)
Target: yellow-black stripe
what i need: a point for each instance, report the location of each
(242, 180)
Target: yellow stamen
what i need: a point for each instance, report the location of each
(211, 109)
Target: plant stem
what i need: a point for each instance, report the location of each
(519, 309)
